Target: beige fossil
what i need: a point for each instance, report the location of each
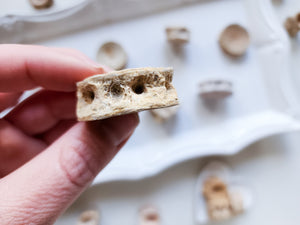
(89, 217)
(178, 35)
(215, 89)
(221, 204)
(41, 4)
(234, 40)
(164, 114)
(149, 216)
(217, 199)
(113, 55)
(122, 92)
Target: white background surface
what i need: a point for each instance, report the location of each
(271, 166)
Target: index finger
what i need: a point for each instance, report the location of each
(24, 67)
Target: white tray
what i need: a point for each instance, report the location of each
(264, 101)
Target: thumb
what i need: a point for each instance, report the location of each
(39, 191)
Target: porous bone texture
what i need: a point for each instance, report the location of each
(122, 92)
(178, 35)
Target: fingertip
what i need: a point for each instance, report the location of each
(25, 67)
(101, 68)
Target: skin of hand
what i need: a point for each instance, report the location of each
(47, 158)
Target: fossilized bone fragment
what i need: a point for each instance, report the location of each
(234, 40)
(41, 4)
(113, 55)
(89, 217)
(217, 199)
(215, 89)
(178, 35)
(122, 92)
(221, 204)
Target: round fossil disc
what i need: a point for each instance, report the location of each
(216, 89)
(149, 216)
(234, 40)
(113, 55)
(41, 4)
(89, 217)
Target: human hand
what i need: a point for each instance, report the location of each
(47, 158)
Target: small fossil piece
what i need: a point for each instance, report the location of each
(292, 26)
(219, 209)
(122, 92)
(89, 217)
(217, 199)
(221, 204)
(214, 186)
(113, 55)
(234, 40)
(41, 4)
(178, 35)
(164, 114)
(215, 89)
(149, 216)
(220, 195)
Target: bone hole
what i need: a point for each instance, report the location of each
(116, 89)
(88, 93)
(218, 188)
(167, 82)
(152, 217)
(138, 87)
(167, 85)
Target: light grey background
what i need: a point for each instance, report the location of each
(271, 166)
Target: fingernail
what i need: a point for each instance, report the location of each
(99, 67)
